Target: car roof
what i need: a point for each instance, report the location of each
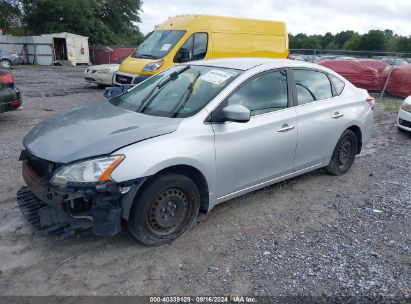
(246, 63)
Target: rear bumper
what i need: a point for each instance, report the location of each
(368, 129)
(67, 212)
(11, 100)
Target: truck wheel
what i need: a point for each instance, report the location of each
(344, 154)
(5, 63)
(164, 210)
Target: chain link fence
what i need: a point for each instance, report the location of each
(387, 76)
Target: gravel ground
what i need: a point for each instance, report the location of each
(316, 235)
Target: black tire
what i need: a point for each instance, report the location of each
(164, 209)
(344, 153)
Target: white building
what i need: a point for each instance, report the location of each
(71, 47)
(48, 49)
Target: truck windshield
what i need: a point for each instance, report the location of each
(158, 44)
(180, 91)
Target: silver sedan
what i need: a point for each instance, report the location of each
(189, 138)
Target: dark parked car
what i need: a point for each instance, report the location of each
(10, 98)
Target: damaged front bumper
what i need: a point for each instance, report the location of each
(66, 212)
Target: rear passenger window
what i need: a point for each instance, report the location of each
(265, 93)
(338, 84)
(311, 86)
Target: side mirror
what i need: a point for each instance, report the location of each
(183, 55)
(112, 92)
(236, 113)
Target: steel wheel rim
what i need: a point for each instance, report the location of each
(168, 212)
(5, 64)
(344, 153)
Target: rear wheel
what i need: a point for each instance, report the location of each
(5, 63)
(344, 154)
(166, 208)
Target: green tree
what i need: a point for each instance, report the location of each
(404, 44)
(120, 17)
(391, 44)
(342, 37)
(312, 42)
(327, 40)
(332, 46)
(103, 21)
(9, 14)
(374, 40)
(302, 41)
(295, 41)
(353, 43)
(388, 33)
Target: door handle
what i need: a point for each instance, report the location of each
(337, 115)
(285, 128)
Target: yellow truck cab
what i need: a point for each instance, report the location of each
(194, 37)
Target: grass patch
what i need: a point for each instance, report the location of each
(391, 107)
(388, 103)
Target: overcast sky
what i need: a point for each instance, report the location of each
(307, 16)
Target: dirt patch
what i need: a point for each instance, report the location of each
(317, 234)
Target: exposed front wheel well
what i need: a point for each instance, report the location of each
(358, 133)
(193, 174)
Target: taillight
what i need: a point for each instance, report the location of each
(6, 78)
(371, 102)
(16, 103)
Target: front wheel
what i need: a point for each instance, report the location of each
(344, 154)
(164, 210)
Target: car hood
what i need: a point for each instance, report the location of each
(133, 65)
(96, 129)
(112, 66)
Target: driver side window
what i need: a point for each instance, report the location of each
(194, 48)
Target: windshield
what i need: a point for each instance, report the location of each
(180, 91)
(158, 44)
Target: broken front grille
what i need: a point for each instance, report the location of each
(40, 166)
(40, 188)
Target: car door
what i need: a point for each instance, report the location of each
(262, 149)
(321, 118)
